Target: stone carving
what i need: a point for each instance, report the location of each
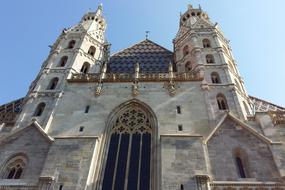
(98, 89)
(132, 120)
(135, 89)
(278, 117)
(128, 77)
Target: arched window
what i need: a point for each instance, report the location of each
(62, 61)
(92, 51)
(52, 84)
(188, 66)
(215, 78)
(40, 109)
(71, 44)
(240, 167)
(128, 162)
(240, 158)
(222, 102)
(206, 43)
(85, 68)
(185, 50)
(14, 167)
(210, 58)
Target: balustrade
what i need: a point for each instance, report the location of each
(129, 77)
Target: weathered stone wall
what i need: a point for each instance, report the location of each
(259, 164)
(30, 143)
(182, 157)
(69, 160)
(69, 112)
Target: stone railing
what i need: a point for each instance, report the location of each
(278, 117)
(246, 186)
(14, 106)
(128, 77)
(17, 184)
(17, 187)
(8, 117)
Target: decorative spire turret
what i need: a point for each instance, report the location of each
(94, 23)
(192, 15)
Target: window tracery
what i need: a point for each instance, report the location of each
(14, 168)
(128, 163)
(132, 121)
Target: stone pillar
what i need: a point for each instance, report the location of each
(46, 183)
(203, 182)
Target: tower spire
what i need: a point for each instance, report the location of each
(99, 9)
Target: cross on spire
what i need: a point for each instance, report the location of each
(146, 34)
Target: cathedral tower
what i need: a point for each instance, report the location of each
(144, 118)
(200, 45)
(79, 49)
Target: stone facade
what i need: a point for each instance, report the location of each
(143, 118)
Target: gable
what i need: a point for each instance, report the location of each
(230, 141)
(18, 133)
(202, 23)
(238, 125)
(28, 142)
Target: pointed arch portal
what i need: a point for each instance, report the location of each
(128, 163)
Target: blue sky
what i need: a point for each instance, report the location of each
(254, 27)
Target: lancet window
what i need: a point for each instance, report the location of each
(128, 162)
(40, 109)
(210, 58)
(85, 68)
(215, 78)
(62, 61)
(14, 168)
(222, 102)
(92, 51)
(71, 44)
(188, 66)
(206, 43)
(53, 83)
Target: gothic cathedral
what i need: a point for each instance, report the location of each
(144, 118)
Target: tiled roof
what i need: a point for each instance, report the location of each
(151, 57)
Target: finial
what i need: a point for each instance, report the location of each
(170, 71)
(190, 6)
(100, 6)
(200, 7)
(170, 68)
(137, 67)
(146, 34)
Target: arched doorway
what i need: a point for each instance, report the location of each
(129, 155)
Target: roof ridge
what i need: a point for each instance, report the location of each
(147, 40)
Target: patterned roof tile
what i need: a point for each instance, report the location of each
(151, 57)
